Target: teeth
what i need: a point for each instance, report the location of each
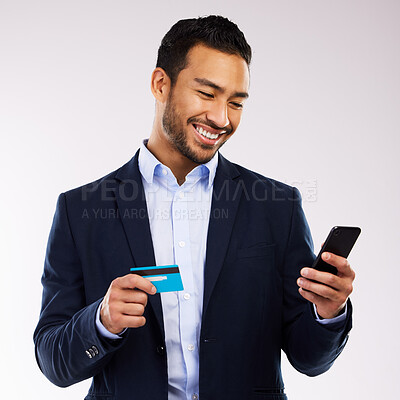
(206, 134)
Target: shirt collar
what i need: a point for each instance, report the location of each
(148, 163)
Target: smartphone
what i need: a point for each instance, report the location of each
(340, 241)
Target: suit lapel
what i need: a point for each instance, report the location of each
(224, 206)
(132, 209)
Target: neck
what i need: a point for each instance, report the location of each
(168, 155)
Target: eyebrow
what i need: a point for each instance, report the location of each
(206, 82)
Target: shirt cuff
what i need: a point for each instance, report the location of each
(102, 330)
(327, 321)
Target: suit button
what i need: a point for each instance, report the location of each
(95, 349)
(161, 350)
(88, 354)
(92, 353)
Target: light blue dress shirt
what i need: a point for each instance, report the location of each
(179, 217)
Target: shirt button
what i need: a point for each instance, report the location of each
(186, 296)
(191, 347)
(181, 195)
(195, 396)
(164, 172)
(181, 243)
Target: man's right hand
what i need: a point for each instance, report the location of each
(124, 303)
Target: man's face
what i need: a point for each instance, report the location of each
(204, 107)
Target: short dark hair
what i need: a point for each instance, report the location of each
(213, 31)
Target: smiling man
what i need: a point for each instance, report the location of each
(238, 241)
(199, 111)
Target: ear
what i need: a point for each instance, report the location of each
(160, 84)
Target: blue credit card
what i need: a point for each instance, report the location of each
(166, 278)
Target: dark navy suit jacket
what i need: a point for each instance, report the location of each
(258, 240)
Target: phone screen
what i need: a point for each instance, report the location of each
(340, 241)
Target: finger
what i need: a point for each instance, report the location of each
(322, 277)
(319, 289)
(342, 284)
(325, 308)
(341, 264)
(115, 317)
(128, 321)
(310, 296)
(133, 296)
(133, 309)
(133, 281)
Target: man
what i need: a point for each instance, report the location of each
(240, 240)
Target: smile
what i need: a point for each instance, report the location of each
(205, 133)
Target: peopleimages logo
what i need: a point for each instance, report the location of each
(160, 214)
(308, 188)
(229, 190)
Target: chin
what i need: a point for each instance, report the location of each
(200, 158)
(204, 155)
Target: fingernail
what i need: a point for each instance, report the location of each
(153, 289)
(326, 256)
(304, 271)
(300, 281)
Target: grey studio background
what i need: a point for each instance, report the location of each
(323, 115)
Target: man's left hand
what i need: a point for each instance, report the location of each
(328, 292)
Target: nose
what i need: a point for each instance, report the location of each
(218, 113)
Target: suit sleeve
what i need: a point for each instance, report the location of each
(68, 348)
(310, 347)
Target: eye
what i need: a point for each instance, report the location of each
(208, 95)
(238, 106)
